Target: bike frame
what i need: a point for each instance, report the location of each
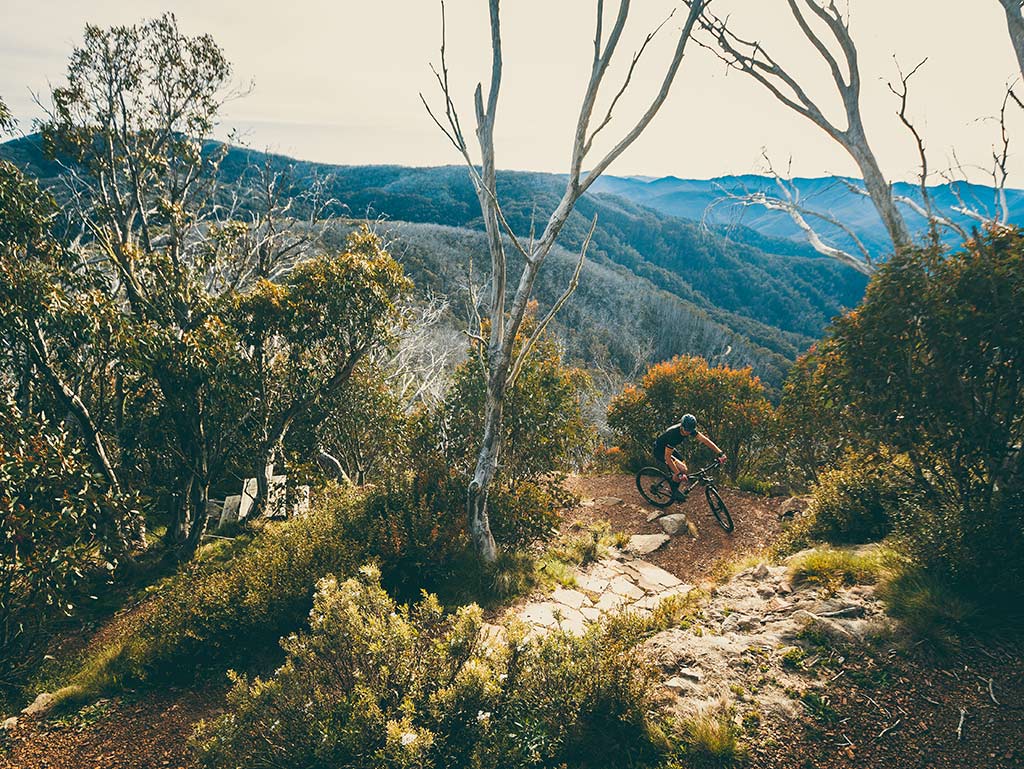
(701, 478)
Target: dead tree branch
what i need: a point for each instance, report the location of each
(751, 58)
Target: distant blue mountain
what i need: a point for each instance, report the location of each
(708, 200)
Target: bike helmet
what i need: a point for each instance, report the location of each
(688, 423)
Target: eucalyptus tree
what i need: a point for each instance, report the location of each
(826, 29)
(504, 362)
(128, 127)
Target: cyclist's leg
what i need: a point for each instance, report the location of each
(659, 457)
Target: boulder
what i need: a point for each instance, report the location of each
(10, 724)
(673, 524)
(794, 506)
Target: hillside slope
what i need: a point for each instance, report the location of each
(654, 282)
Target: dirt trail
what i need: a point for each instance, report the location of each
(615, 498)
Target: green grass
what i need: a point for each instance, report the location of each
(928, 608)
(834, 568)
(712, 741)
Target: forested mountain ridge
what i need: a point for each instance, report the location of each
(717, 201)
(765, 299)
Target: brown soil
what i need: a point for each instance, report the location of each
(138, 731)
(755, 519)
(901, 710)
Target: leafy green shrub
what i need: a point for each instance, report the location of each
(528, 511)
(213, 612)
(753, 485)
(545, 430)
(415, 525)
(57, 522)
(931, 365)
(810, 431)
(730, 406)
(545, 435)
(376, 684)
(859, 501)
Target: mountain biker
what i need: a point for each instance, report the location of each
(673, 437)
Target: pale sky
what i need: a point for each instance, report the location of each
(339, 81)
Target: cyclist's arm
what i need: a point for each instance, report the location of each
(709, 443)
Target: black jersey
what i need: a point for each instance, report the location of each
(672, 437)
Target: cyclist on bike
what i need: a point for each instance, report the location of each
(673, 437)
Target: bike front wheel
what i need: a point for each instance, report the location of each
(718, 508)
(654, 486)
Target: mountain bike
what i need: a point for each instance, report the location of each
(655, 485)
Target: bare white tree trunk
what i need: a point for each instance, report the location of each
(1015, 26)
(751, 58)
(504, 359)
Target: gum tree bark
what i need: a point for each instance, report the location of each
(504, 360)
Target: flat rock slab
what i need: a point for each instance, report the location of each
(653, 579)
(540, 614)
(642, 544)
(574, 599)
(607, 501)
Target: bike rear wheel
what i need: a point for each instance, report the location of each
(718, 508)
(654, 486)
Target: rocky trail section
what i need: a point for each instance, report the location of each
(620, 583)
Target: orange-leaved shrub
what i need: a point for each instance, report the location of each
(730, 405)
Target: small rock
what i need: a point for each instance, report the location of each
(777, 605)
(739, 622)
(607, 501)
(692, 673)
(673, 524)
(40, 705)
(677, 684)
(765, 591)
(709, 587)
(824, 625)
(784, 587)
(760, 572)
(642, 544)
(10, 724)
(652, 515)
(794, 506)
(837, 608)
